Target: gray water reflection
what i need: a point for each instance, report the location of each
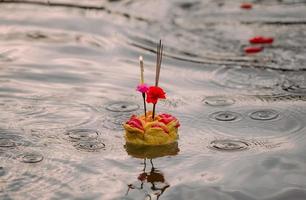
(68, 72)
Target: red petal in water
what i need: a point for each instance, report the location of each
(253, 49)
(246, 6)
(261, 40)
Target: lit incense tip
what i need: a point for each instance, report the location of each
(141, 69)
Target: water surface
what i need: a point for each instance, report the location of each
(68, 73)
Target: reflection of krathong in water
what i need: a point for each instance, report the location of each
(150, 129)
(151, 181)
(151, 152)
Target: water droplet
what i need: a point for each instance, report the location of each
(218, 101)
(229, 145)
(90, 145)
(82, 134)
(7, 143)
(264, 115)
(225, 116)
(31, 157)
(122, 106)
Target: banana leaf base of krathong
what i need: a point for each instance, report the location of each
(151, 152)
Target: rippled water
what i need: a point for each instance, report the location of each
(68, 72)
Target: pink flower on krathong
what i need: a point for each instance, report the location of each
(143, 88)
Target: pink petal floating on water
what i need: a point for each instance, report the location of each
(246, 6)
(253, 49)
(261, 40)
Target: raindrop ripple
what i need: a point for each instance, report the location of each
(122, 106)
(225, 116)
(218, 101)
(31, 158)
(229, 145)
(264, 115)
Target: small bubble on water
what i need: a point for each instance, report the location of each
(264, 115)
(90, 145)
(7, 143)
(225, 116)
(82, 134)
(122, 106)
(218, 101)
(229, 145)
(31, 158)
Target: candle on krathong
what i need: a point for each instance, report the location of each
(141, 70)
(142, 87)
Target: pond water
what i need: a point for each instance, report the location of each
(68, 71)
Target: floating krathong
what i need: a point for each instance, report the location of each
(150, 129)
(143, 130)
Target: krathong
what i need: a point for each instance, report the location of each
(151, 129)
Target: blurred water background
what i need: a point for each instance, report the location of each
(68, 71)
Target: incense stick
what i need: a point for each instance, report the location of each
(159, 56)
(144, 104)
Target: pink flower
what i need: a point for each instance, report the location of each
(143, 88)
